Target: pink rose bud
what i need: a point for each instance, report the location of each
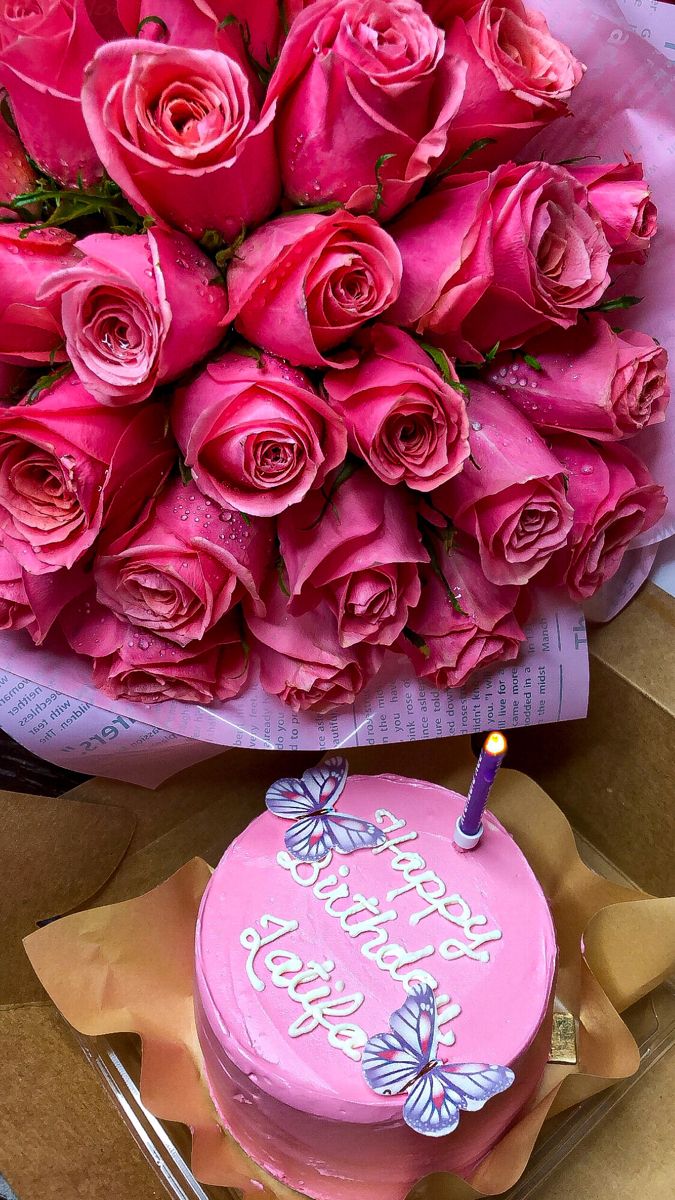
(137, 311)
(403, 418)
(519, 77)
(622, 200)
(535, 259)
(301, 659)
(69, 468)
(33, 602)
(135, 665)
(614, 500)
(30, 329)
(185, 563)
(255, 433)
(179, 130)
(359, 552)
(16, 176)
(44, 48)
(376, 67)
(593, 380)
(511, 497)
(302, 284)
(463, 623)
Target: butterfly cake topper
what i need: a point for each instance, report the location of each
(309, 802)
(404, 1061)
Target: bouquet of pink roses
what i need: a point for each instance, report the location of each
(303, 364)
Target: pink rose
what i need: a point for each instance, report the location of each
(358, 79)
(301, 659)
(255, 433)
(68, 467)
(30, 329)
(137, 311)
(302, 284)
(511, 496)
(408, 424)
(594, 380)
(359, 553)
(179, 131)
(463, 622)
(445, 240)
(183, 565)
(549, 258)
(614, 499)
(44, 48)
(550, 254)
(194, 23)
(16, 176)
(622, 200)
(33, 602)
(519, 77)
(137, 666)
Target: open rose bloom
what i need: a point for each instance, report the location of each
(322, 367)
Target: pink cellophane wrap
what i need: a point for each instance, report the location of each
(625, 103)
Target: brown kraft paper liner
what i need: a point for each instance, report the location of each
(128, 968)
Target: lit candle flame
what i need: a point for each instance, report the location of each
(495, 744)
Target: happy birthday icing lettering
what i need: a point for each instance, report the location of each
(366, 919)
(432, 890)
(320, 1008)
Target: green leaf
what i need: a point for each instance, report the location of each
(244, 516)
(492, 354)
(249, 352)
(224, 256)
(379, 183)
(613, 305)
(330, 206)
(153, 21)
(439, 358)
(184, 471)
(281, 575)
(61, 206)
(283, 17)
(349, 466)
(474, 148)
(568, 162)
(431, 543)
(418, 641)
(245, 30)
(532, 362)
(458, 386)
(46, 381)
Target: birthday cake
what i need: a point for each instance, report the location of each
(373, 1004)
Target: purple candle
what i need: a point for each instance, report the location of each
(469, 827)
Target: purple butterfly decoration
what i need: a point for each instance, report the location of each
(309, 803)
(404, 1060)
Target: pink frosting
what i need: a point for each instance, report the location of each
(299, 1105)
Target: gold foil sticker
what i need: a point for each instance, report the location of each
(563, 1039)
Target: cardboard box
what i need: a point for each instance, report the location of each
(61, 1137)
(614, 773)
